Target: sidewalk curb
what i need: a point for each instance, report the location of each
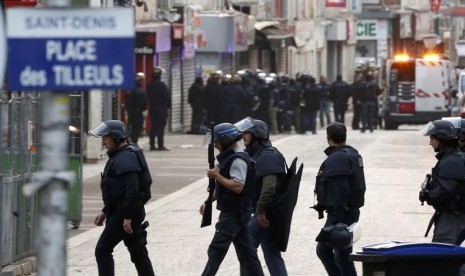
(23, 267)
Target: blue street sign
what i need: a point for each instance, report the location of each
(70, 49)
(2, 48)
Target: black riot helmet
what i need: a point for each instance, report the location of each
(259, 130)
(157, 72)
(442, 130)
(226, 134)
(113, 128)
(339, 235)
(458, 123)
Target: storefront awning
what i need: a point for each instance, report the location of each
(272, 37)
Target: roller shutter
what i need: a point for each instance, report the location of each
(226, 63)
(281, 63)
(265, 60)
(242, 59)
(176, 90)
(164, 61)
(318, 63)
(188, 77)
(253, 59)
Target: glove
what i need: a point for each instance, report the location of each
(320, 208)
(423, 196)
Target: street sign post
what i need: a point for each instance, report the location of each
(70, 49)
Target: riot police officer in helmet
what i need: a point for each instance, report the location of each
(340, 191)
(270, 169)
(123, 207)
(444, 191)
(233, 180)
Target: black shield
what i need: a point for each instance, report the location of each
(279, 212)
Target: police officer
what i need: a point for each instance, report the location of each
(196, 98)
(340, 191)
(369, 97)
(233, 97)
(123, 209)
(357, 89)
(159, 98)
(312, 98)
(325, 103)
(340, 94)
(213, 98)
(445, 190)
(136, 104)
(234, 179)
(269, 176)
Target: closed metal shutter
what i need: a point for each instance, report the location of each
(293, 58)
(304, 63)
(318, 63)
(265, 60)
(253, 59)
(226, 63)
(188, 77)
(242, 59)
(176, 90)
(281, 56)
(349, 62)
(164, 61)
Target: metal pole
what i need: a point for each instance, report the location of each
(53, 196)
(55, 118)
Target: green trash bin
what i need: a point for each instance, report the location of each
(408, 259)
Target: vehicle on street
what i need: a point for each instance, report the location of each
(418, 90)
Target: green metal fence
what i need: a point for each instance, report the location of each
(19, 141)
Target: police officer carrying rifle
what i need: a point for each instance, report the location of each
(234, 179)
(446, 189)
(340, 191)
(124, 198)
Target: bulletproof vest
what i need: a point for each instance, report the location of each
(371, 91)
(228, 201)
(121, 161)
(268, 160)
(343, 161)
(451, 165)
(144, 177)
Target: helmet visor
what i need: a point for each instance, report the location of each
(244, 124)
(427, 130)
(207, 139)
(100, 131)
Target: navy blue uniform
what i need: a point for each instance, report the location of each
(232, 224)
(120, 193)
(445, 194)
(136, 103)
(159, 99)
(340, 189)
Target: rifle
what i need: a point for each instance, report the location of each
(207, 212)
(425, 185)
(431, 221)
